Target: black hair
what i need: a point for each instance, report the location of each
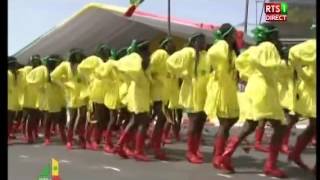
(226, 27)
(76, 55)
(103, 51)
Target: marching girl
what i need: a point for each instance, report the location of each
(96, 90)
(13, 100)
(260, 64)
(22, 81)
(31, 104)
(303, 58)
(222, 97)
(158, 73)
(191, 64)
(138, 98)
(52, 99)
(73, 83)
(109, 76)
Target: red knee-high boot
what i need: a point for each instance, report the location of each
(70, 138)
(166, 137)
(30, 129)
(270, 166)
(295, 154)
(139, 154)
(130, 145)
(118, 149)
(88, 135)
(258, 140)
(47, 133)
(81, 132)
(285, 142)
(108, 146)
(225, 161)
(192, 150)
(62, 131)
(97, 138)
(156, 145)
(219, 146)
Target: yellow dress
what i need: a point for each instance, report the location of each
(95, 88)
(32, 95)
(222, 100)
(173, 90)
(107, 75)
(159, 79)
(22, 83)
(72, 82)
(303, 58)
(260, 64)
(193, 92)
(286, 87)
(13, 98)
(51, 96)
(138, 97)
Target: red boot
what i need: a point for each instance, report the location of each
(285, 147)
(225, 161)
(192, 151)
(198, 142)
(295, 155)
(270, 166)
(118, 149)
(97, 139)
(139, 151)
(62, 131)
(219, 146)
(108, 146)
(156, 145)
(70, 139)
(258, 143)
(314, 140)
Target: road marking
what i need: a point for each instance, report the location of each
(262, 175)
(224, 175)
(112, 168)
(23, 156)
(65, 161)
(164, 161)
(274, 178)
(36, 146)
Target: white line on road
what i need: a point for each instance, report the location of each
(65, 161)
(224, 175)
(274, 178)
(36, 146)
(112, 168)
(23, 156)
(262, 175)
(164, 161)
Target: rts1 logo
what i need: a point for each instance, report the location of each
(276, 11)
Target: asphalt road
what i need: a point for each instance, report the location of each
(25, 162)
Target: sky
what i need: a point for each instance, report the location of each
(27, 20)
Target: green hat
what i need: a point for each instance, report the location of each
(261, 32)
(133, 47)
(165, 41)
(114, 54)
(220, 35)
(195, 36)
(122, 52)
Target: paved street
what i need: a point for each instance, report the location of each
(27, 161)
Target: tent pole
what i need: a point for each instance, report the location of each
(169, 18)
(246, 17)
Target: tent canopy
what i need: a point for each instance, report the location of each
(99, 23)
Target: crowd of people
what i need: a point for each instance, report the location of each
(112, 97)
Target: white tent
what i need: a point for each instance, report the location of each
(99, 23)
